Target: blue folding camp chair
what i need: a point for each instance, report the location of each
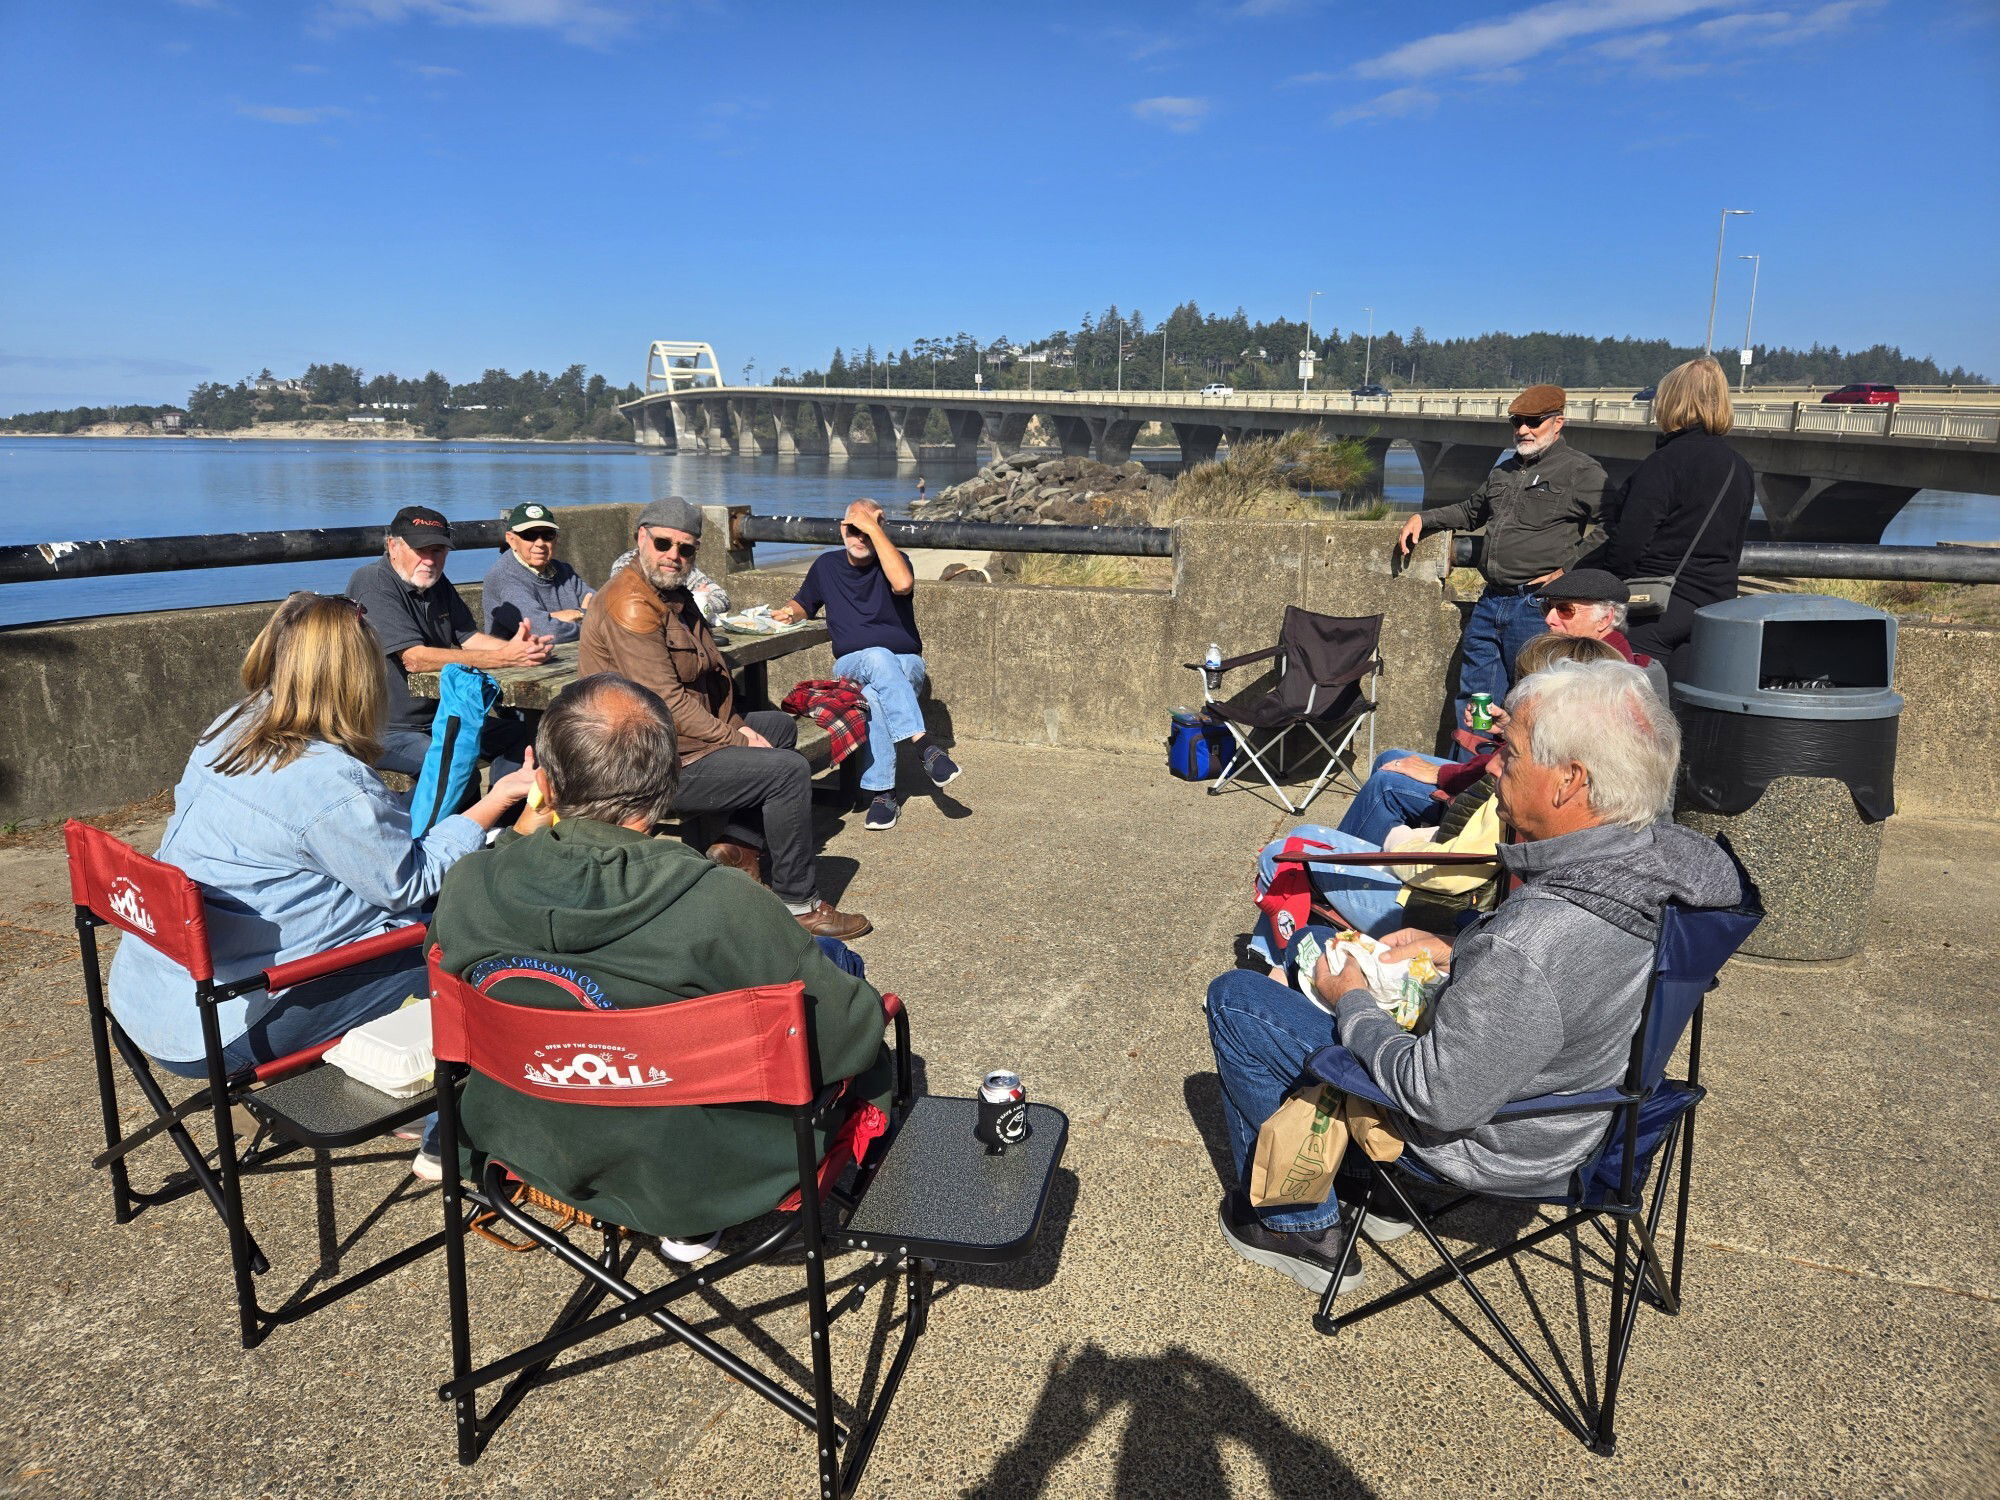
(1649, 1118)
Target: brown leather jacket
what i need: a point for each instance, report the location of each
(663, 643)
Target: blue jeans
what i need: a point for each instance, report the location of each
(1389, 799)
(1364, 894)
(1500, 626)
(1262, 1033)
(848, 961)
(889, 681)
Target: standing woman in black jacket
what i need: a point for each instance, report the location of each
(1694, 491)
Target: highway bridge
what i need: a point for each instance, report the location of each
(1824, 472)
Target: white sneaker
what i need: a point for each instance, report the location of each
(687, 1252)
(427, 1166)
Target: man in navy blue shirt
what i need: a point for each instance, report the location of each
(865, 590)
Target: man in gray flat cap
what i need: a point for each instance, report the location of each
(644, 625)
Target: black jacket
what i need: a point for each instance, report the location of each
(1655, 517)
(1538, 513)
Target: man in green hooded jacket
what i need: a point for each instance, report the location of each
(581, 907)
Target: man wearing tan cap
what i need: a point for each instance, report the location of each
(1542, 509)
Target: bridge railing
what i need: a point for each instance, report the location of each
(1929, 423)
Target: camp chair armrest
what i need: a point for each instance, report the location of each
(892, 1008)
(1230, 664)
(1341, 1068)
(346, 956)
(1563, 1104)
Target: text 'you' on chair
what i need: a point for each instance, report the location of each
(922, 1190)
(1323, 662)
(1649, 1125)
(298, 1102)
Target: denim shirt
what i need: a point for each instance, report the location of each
(290, 862)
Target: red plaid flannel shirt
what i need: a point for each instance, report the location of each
(836, 705)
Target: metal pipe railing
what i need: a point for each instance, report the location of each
(1835, 560)
(46, 561)
(1118, 541)
(40, 562)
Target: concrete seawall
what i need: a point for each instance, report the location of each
(100, 712)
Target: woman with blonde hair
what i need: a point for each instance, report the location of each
(297, 847)
(1685, 510)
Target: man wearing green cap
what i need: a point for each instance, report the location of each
(529, 582)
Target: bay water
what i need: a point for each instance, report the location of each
(78, 489)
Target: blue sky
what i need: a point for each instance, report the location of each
(195, 190)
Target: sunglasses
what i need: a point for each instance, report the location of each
(354, 604)
(667, 544)
(1522, 421)
(1563, 607)
(536, 536)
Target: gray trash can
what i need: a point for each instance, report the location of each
(1788, 748)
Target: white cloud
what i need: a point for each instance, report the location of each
(279, 114)
(432, 70)
(1396, 104)
(1299, 79)
(1487, 45)
(1176, 114)
(590, 22)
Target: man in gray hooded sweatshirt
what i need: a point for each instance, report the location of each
(1544, 995)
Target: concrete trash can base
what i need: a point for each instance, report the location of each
(1813, 860)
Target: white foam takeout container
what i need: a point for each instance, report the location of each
(391, 1053)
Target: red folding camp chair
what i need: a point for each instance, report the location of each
(924, 1190)
(295, 1100)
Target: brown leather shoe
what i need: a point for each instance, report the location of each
(824, 921)
(737, 856)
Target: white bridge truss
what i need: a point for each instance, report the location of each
(678, 365)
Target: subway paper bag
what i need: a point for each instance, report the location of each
(1299, 1149)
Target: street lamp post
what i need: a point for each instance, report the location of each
(1756, 267)
(1305, 361)
(1715, 286)
(1368, 358)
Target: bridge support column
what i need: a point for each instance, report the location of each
(1802, 509)
(693, 419)
(653, 426)
(1073, 434)
(742, 427)
(801, 429)
(966, 427)
(906, 434)
(1454, 470)
(1198, 441)
(1114, 439)
(1006, 431)
(837, 421)
(1235, 437)
(883, 420)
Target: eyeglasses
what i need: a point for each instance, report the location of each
(1563, 607)
(1525, 421)
(668, 544)
(536, 536)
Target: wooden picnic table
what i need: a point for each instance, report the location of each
(535, 688)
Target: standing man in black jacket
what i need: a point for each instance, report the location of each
(1686, 508)
(1541, 509)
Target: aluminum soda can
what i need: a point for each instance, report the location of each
(1003, 1112)
(1482, 711)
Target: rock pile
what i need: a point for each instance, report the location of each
(1026, 490)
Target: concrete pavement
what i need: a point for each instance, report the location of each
(1061, 911)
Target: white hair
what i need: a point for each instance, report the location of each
(1605, 716)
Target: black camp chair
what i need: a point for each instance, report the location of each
(1649, 1120)
(1322, 661)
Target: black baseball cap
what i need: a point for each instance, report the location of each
(421, 526)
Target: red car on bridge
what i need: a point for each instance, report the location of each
(1864, 394)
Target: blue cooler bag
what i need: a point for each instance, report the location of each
(1197, 748)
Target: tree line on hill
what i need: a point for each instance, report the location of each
(533, 404)
(1191, 348)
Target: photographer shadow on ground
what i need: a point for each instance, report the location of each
(1177, 1408)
